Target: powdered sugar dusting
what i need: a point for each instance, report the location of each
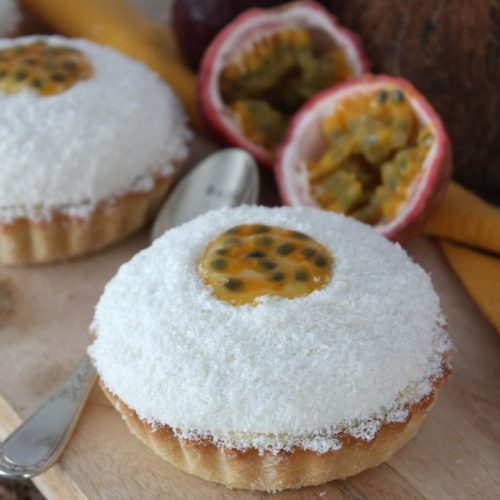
(9, 17)
(344, 359)
(101, 138)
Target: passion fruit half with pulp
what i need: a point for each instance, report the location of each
(373, 149)
(265, 64)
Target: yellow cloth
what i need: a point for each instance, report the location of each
(119, 25)
(468, 229)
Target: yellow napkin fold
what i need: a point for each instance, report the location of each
(119, 25)
(468, 229)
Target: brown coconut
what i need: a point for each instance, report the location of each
(450, 50)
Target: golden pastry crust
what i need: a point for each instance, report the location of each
(275, 472)
(27, 241)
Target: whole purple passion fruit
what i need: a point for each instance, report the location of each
(197, 22)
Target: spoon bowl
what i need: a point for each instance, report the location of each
(226, 178)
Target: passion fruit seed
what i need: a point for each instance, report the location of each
(375, 153)
(301, 275)
(256, 255)
(267, 265)
(219, 264)
(260, 228)
(266, 84)
(46, 69)
(382, 96)
(285, 249)
(299, 235)
(233, 284)
(292, 265)
(398, 96)
(320, 261)
(279, 276)
(308, 252)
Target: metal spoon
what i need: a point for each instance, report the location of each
(226, 178)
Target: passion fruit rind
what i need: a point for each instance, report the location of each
(253, 260)
(265, 64)
(384, 159)
(42, 68)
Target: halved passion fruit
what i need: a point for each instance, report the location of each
(265, 65)
(373, 149)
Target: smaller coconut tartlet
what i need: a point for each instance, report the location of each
(10, 17)
(271, 348)
(90, 141)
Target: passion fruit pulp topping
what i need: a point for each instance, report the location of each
(46, 69)
(252, 260)
(376, 149)
(273, 78)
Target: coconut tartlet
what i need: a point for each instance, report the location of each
(10, 17)
(90, 141)
(271, 348)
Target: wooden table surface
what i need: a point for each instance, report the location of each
(44, 316)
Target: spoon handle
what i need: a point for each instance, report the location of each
(38, 442)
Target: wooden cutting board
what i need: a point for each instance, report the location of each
(44, 316)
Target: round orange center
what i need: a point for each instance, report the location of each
(252, 260)
(45, 69)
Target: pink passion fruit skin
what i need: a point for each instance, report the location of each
(248, 27)
(303, 139)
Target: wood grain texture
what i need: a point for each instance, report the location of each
(455, 455)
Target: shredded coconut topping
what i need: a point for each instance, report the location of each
(96, 140)
(9, 17)
(344, 359)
